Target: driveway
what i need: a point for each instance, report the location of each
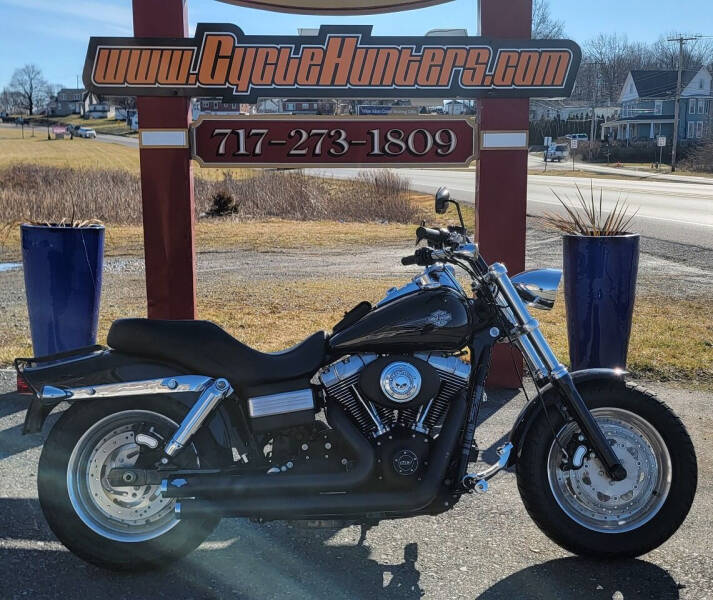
(486, 548)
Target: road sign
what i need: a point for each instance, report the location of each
(340, 62)
(275, 141)
(548, 141)
(661, 141)
(573, 143)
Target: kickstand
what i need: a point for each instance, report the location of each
(365, 527)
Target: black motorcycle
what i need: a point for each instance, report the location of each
(177, 424)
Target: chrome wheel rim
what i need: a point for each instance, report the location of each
(596, 502)
(126, 514)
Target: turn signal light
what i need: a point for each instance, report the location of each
(22, 386)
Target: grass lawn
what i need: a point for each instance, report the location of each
(272, 315)
(110, 126)
(79, 153)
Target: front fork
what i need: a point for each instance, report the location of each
(544, 365)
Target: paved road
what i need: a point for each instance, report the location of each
(122, 140)
(670, 211)
(486, 548)
(535, 161)
(671, 208)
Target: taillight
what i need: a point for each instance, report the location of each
(22, 387)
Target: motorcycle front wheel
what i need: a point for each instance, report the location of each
(585, 511)
(119, 528)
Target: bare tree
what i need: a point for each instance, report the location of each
(696, 53)
(607, 60)
(544, 26)
(31, 86)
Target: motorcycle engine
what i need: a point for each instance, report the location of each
(399, 402)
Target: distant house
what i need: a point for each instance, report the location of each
(215, 106)
(308, 107)
(456, 107)
(568, 109)
(67, 102)
(98, 107)
(268, 106)
(647, 106)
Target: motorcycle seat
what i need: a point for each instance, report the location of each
(204, 348)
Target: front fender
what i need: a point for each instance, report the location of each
(106, 366)
(551, 396)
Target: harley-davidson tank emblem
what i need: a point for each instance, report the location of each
(439, 318)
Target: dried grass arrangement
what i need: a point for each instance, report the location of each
(586, 216)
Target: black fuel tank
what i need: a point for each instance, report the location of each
(426, 320)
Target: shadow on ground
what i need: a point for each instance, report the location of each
(577, 579)
(246, 560)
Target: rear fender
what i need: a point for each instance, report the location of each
(98, 365)
(552, 398)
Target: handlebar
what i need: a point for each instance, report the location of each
(422, 257)
(432, 235)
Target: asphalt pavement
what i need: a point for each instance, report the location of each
(487, 548)
(672, 211)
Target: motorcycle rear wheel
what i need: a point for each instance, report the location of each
(126, 528)
(583, 510)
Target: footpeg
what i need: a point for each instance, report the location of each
(478, 482)
(472, 483)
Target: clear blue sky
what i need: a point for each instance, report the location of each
(53, 33)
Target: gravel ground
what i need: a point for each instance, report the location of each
(486, 548)
(665, 269)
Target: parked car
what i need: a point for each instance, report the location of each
(582, 137)
(86, 132)
(556, 152)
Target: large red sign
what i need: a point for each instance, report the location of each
(339, 62)
(333, 142)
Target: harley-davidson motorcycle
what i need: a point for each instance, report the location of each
(176, 424)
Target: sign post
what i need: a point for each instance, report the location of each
(661, 143)
(501, 186)
(166, 178)
(573, 143)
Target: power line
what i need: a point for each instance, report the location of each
(677, 108)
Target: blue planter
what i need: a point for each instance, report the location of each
(600, 287)
(63, 276)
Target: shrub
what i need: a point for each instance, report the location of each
(40, 193)
(700, 159)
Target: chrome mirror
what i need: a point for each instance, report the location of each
(538, 287)
(443, 197)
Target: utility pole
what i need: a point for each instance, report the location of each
(677, 109)
(593, 129)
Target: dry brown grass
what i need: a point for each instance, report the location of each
(372, 196)
(42, 193)
(665, 344)
(79, 153)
